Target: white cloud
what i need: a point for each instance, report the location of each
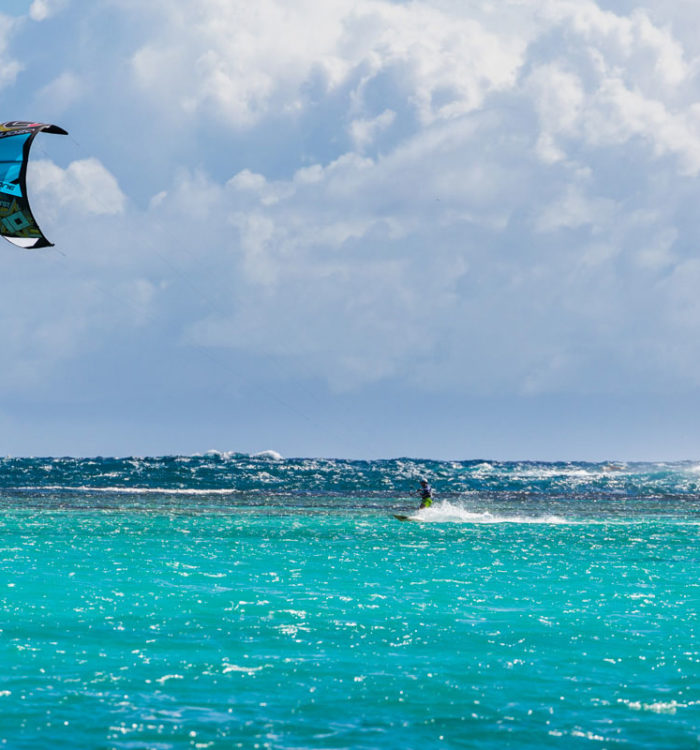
(243, 62)
(631, 43)
(594, 76)
(620, 114)
(40, 10)
(478, 198)
(574, 209)
(353, 280)
(85, 186)
(559, 97)
(63, 92)
(612, 115)
(9, 67)
(363, 131)
(658, 253)
(619, 78)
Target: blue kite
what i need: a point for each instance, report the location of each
(17, 224)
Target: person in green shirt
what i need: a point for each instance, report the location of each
(426, 494)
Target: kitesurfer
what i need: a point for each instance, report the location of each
(426, 494)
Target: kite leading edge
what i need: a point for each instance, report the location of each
(17, 224)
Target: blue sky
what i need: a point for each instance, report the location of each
(365, 229)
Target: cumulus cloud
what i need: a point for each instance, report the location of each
(85, 186)
(250, 61)
(647, 52)
(9, 67)
(574, 209)
(63, 92)
(464, 198)
(619, 79)
(350, 293)
(40, 10)
(472, 230)
(364, 130)
(591, 75)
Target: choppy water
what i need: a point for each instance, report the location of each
(227, 601)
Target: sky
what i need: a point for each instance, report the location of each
(359, 228)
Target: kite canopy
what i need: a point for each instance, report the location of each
(17, 224)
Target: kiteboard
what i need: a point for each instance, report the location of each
(400, 517)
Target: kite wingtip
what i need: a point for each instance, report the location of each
(56, 130)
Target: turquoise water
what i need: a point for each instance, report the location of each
(228, 601)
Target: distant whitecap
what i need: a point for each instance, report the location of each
(272, 455)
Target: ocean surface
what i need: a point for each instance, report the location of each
(234, 601)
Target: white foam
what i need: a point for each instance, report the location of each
(542, 472)
(272, 455)
(446, 512)
(226, 455)
(237, 668)
(133, 490)
(162, 680)
(658, 707)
